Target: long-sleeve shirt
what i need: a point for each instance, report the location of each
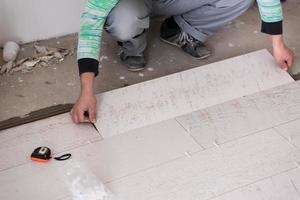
(96, 12)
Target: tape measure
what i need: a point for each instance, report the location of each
(43, 154)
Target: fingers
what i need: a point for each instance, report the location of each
(76, 121)
(80, 115)
(77, 115)
(287, 63)
(283, 65)
(73, 116)
(85, 104)
(283, 55)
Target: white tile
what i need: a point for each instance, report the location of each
(295, 177)
(59, 133)
(243, 116)
(67, 180)
(165, 98)
(105, 160)
(280, 187)
(291, 131)
(125, 154)
(212, 172)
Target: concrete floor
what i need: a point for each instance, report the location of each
(23, 93)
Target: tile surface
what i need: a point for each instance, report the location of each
(212, 172)
(58, 133)
(116, 157)
(279, 187)
(291, 131)
(238, 148)
(68, 180)
(181, 93)
(243, 116)
(103, 161)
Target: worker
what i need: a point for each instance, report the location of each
(190, 24)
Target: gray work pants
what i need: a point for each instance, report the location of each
(128, 20)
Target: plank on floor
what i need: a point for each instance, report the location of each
(59, 133)
(118, 156)
(291, 131)
(243, 116)
(280, 187)
(211, 172)
(67, 180)
(181, 93)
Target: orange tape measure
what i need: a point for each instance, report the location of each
(43, 155)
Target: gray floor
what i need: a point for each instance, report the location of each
(23, 93)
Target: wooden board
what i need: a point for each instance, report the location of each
(160, 99)
(36, 115)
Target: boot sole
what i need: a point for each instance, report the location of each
(133, 68)
(177, 45)
(136, 70)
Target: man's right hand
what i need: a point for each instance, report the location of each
(283, 55)
(86, 101)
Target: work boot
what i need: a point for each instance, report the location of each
(171, 33)
(134, 63)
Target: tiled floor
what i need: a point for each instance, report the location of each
(245, 148)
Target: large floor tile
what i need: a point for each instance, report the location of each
(59, 133)
(131, 152)
(185, 92)
(244, 116)
(212, 172)
(291, 131)
(68, 180)
(280, 187)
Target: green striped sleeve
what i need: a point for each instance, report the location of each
(91, 28)
(270, 10)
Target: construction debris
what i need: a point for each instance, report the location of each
(7, 67)
(42, 57)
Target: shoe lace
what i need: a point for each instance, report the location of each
(185, 38)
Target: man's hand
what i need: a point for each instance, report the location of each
(86, 101)
(282, 54)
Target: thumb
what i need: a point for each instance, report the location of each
(92, 114)
(290, 61)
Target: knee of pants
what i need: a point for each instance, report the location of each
(126, 21)
(124, 30)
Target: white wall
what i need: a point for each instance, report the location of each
(29, 20)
